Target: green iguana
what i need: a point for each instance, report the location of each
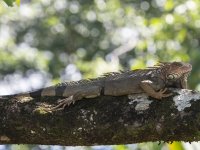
(153, 81)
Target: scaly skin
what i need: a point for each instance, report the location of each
(153, 81)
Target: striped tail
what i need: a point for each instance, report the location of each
(33, 94)
(49, 91)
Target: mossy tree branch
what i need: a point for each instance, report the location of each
(103, 120)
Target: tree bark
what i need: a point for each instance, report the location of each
(101, 121)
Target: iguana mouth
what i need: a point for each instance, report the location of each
(185, 75)
(187, 68)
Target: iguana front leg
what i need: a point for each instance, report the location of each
(148, 85)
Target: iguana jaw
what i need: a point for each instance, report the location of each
(177, 70)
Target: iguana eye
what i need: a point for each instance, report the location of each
(170, 76)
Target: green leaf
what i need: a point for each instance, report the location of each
(120, 147)
(17, 2)
(176, 146)
(169, 5)
(9, 2)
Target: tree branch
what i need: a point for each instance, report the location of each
(103, 120)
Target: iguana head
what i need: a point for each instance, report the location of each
(175, 73)
(176, 70)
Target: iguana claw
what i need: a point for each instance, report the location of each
(161, 94)
(63, 103)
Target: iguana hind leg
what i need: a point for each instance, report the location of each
(65, 102)
(148, 85)
(89, 92)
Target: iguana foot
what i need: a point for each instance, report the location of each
(161, 94)
(63, 103)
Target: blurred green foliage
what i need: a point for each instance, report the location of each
(176, 146)
(98, 36)
(11, 2)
